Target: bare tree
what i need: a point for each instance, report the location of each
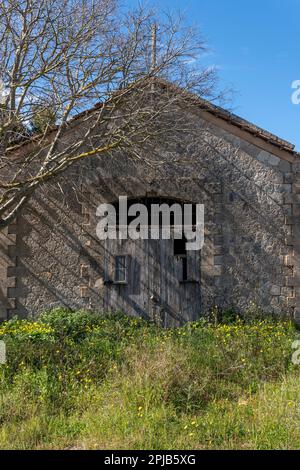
(58, 59)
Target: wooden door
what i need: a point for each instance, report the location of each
(180, 292)
(159, 284)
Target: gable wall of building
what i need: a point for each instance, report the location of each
(252, 207)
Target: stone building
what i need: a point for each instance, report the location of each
(249, 183)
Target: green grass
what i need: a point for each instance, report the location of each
(82, 380)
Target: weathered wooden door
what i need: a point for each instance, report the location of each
(149, 278)
(174, 283)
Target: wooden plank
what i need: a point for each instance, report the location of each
(153, 288)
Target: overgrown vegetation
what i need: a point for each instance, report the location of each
(82, 380)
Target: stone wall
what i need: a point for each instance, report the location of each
(251, 193)
(7, 271)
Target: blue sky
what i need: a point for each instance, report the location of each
(256, 47)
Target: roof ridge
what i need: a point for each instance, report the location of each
(205, 104)
(233, 118)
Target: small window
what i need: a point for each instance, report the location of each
(121, 269)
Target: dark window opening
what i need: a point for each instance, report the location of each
(180, 246)
(184, 269)
(121, 269)
(149, 201)
(181, 251)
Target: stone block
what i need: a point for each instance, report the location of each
(288, 260)
(218, 208)
(288, 178)
(297, 315)
(268, 158)
(284, 166)
(218, 250)
(84, 271)
(292, 302)
(12, 229)
(296, 188)
(218, 260)
(275, 290)
(288, 230)
(11, 282)
(288, 271)
(217, 271)
(286, 250)
(289, 240)
(287, 208)
(86, 218)
(292, 220)
(287, 291)
(291, 198)
(296, 167)
(296, 210)
(217, 198)
(14, 292)
(218, 240)
(84, 292)
(291, 281)
(286, 188)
